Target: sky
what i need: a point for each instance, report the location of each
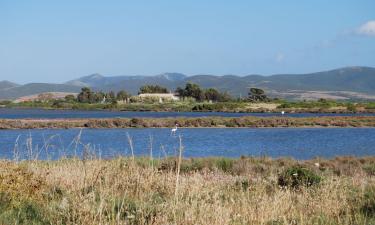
(56, 41)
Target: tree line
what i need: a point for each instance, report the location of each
(190, 90)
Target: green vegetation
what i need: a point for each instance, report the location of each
(321, 103)
(297, 176)
(187, 191)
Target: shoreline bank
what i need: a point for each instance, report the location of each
(193, 122)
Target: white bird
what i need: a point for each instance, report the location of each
(282, 112)
(173, 131)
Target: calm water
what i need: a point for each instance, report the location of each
(299, 143)
(6, 113)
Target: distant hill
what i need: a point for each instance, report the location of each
(36, 88)
(343, 83)
(7, 84)
(129, 83)
(346, 82)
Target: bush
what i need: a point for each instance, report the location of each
(297, 176)
(224, 164)
(351, 107)
(5, 102)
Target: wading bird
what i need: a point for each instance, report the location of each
(173, 131)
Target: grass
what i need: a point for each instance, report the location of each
(186, 191)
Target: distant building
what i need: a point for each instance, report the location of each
(161, 96)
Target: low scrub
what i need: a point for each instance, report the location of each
(297, 176)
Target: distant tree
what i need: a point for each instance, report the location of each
(212, 94)
(99, 96)
(86, 96)
(180, 91)
(111, 95)
(122, 95)
(257, 95)
(225, 97)
(70, 98)
(193, 90)
(152, 89)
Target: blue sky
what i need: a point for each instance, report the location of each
(55, 41)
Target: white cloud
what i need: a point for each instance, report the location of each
(279, 57)
(367, 28)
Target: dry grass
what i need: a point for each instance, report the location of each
(199, 191)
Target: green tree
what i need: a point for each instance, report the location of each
(212, 94)
(86, 96)
(225, 97)
(257, 95)
(70, 98)
(180, 91)
(122, 95)
(99, 96)
(193, 90)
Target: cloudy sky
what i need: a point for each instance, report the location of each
(50, 41)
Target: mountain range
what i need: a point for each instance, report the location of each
(343, 83)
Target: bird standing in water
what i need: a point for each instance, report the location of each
(173, 131)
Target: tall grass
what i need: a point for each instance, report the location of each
(120, 192)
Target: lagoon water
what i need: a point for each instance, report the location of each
(300, 143)
(9, 113)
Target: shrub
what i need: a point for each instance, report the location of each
(5, 102)
(297, 176)
(224, 164)
(351, 107)
(192, 165)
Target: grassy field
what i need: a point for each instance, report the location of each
(220, 122)
(188, 191)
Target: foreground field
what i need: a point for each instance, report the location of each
(245, 121)
(190, 191)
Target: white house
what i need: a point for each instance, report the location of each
(171, 96)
